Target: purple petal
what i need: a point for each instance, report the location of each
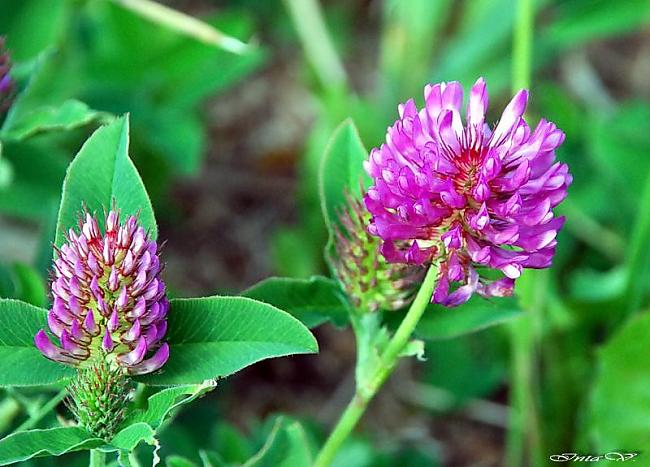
(510, 117)
(51, 351)
(122, 299)
(107, 342)
(136, 355)
(152, 364)
(133, 333)
(90, 325)
(55, 325)
(113, 322)
(478, 103)
(113, 280)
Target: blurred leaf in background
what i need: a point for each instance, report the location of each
(100, 59)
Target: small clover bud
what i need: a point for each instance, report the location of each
(370, 282)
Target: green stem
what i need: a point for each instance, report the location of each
(524, 427)
(365, 392)
(638, 255)
(405, 330)
(524, 424)
(97, 458)
(522, 46)
(307, 18)
(43, 411)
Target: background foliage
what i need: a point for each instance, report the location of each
(229, 148)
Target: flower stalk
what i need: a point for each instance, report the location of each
(524, 434)
(366, 390)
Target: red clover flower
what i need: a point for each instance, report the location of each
(467, 197)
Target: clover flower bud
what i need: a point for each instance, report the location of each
(109, 300)
(467, 197)
(99, 397)
(370, 282)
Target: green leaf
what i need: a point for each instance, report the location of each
(21, 364)
(66, 116)
(24, 445)
(414, 348)
(141, 425)
(163, 402)
(621, 390)
(286, 240)
(313, 301)
(583, 21)
(467, 55)
(213, 337)
(341, 169)
(6, 172)
(30, 286)
(230, 445)
(32, 25)
(286, 446)
(101, 174)
(177, 134)
(619, 150)
(178, 461)
(439, 322)
(211, 459)
(38, 168)
(47, 102)
(128, 438)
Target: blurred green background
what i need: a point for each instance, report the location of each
(229, 145)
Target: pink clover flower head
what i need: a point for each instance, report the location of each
(466, 195)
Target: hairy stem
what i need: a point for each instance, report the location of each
(367, 389)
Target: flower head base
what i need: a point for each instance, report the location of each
(6, 83)
(467, 196)
(99, 397)
(370, 282)
(109, 300)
